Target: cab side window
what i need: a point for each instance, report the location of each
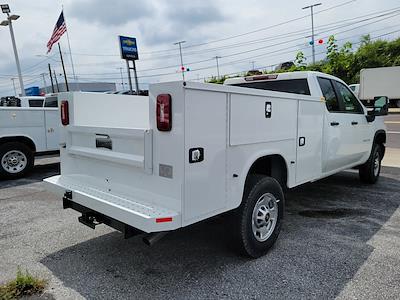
(348, 101)
(331, 100)
(51, 102)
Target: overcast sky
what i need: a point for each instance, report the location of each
(93, 28)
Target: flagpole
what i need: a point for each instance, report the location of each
(69, 48)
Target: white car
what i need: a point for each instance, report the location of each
(191, 151)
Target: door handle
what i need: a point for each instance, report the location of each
(354, 123)
(334, 123)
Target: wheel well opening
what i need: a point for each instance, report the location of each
(20, 139)
(271, 165)
(380, 138)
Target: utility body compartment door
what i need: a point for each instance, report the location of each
(52, 128)
(205, 154)
(309, 140)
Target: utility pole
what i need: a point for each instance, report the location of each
(6, 9)
(216, 59)
(51, 79)
(252, 64)
(15, 90)
(122, 77)
(62, 63)
(311, 7)
(180, 53)
(44, 83)
(55, 78)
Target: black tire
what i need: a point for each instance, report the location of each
(245, 240)
(369, 172)
(10, 172)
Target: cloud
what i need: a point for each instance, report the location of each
(112, 13)
(181, 19)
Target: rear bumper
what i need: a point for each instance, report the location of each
(146, 217)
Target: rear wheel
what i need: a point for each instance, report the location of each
(259, 217)
(16, 159)
(369, 172)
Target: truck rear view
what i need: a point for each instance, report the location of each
(107, 164)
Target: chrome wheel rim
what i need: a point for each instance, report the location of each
(377, 162)
(265, 217)
(14, 161)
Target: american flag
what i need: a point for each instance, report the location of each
(58, 31)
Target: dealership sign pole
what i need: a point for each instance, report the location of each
(129, 52)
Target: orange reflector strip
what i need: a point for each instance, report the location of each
(162, 220)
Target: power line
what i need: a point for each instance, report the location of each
(255, 49)
(232, 36)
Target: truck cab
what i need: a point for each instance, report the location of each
(343, 132)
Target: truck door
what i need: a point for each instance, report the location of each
(52, 123)
(356, 129)
(335, 145)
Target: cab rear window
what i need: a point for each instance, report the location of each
(294, 86)
(35, 102)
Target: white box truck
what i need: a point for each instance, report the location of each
(191, 151)
(380, 82)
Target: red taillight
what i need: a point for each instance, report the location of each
(164, 112)
(163, 220)
(64, 113)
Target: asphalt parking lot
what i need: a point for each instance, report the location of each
(340, 239)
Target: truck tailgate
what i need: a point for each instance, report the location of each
(136, 212)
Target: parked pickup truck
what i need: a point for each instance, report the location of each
(28, 129)
(191, 151)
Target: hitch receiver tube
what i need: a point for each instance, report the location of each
(93, 218)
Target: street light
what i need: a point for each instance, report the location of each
(6, 9)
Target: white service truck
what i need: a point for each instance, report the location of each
(380, 82)
(191, 151)
(26, 131)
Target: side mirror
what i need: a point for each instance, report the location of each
(381, 105)
(381, 108)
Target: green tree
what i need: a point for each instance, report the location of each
(300, 60)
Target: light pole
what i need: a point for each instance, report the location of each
(15, 90)
(216, 59)
(6, 9)
(122, 77)
(44, 83)
(180, 52)
(311, 7)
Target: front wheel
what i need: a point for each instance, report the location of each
(369, 172)
(16, 159)
(258, 219)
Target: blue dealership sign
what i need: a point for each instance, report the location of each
(128, 48)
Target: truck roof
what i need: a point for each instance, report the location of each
(278, 76)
